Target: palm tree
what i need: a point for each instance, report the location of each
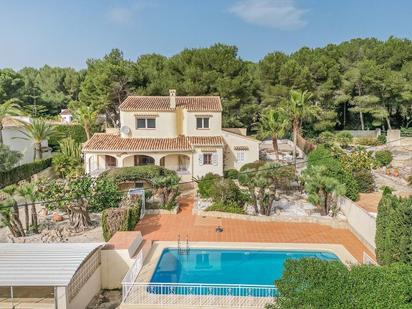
(13, 216)
(37, 131)
(28, 192)
(322, 188)
(272, 124)
(298, 109)
(86, 116)
(8, 108)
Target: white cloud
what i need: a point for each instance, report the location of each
(278, 14)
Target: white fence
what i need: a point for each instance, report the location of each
(361, 222)
(132, 274)
(196, 295)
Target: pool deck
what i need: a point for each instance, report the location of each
(167, 227)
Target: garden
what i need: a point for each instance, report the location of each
(313, 283)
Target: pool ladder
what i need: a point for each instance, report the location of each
(182, 248)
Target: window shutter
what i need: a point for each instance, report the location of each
(214, 159)
(200, 158)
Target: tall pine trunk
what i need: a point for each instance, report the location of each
(361, 121)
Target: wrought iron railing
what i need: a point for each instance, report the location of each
(132, 274)
(213, 295)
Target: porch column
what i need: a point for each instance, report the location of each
(156, 160)
(119, 161)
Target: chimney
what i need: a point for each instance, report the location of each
(172, 95)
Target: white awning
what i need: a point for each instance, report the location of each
(42, 264)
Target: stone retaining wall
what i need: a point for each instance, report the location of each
(332, 222)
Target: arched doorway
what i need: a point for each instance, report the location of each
(110, 161)
(176, 162)
(143, 160)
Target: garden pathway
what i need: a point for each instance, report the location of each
(198, 228)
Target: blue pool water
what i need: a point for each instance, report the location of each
(209, 266)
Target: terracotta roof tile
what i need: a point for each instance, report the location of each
(162, 103)
(206, 140)
(113, 142)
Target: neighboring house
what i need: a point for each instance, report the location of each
(66, 116)
(13, 138)
(179, 133)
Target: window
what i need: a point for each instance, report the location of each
(240, 156)
(207, 159)
(202, 123)
(145, 123)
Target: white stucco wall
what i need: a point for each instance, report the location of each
(232, 140)
(215, 124)
(115, 265)
(165, 124)
(26, 147)
(201, 170)
(361, 222)
(88, 291)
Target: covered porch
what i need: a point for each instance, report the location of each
(181, 163)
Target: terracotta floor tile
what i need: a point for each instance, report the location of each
(168, 227)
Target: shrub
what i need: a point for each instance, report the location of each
(406, 132)
(8, 158)
(230, 207)
(313, 283)
(365, 181)
(381, 139)
(327, 138)
(206, 183)
(252, 166)
(74, 131)
(324, 155)
(344, 139)
(105, 195)
(231, 174)
(135, 173)
(226, 190)
(394, 230)
(23, 172)
(383, 157)
(367, 141)
(123, 218)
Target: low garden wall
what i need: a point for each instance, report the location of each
(172, 211)
(360, 222)
(332, 222)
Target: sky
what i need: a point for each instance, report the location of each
(67, 33)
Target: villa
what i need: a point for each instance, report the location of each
(180, 133)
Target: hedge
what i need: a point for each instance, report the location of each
(394, 230)
(22, 172)
(135, 173)
(120, 219)
(313, 283)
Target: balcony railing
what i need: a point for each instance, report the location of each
(213, 295)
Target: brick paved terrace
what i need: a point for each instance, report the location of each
(198, 228)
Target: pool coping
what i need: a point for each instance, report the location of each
(151, 260)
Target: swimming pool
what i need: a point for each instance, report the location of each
(227, 267)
